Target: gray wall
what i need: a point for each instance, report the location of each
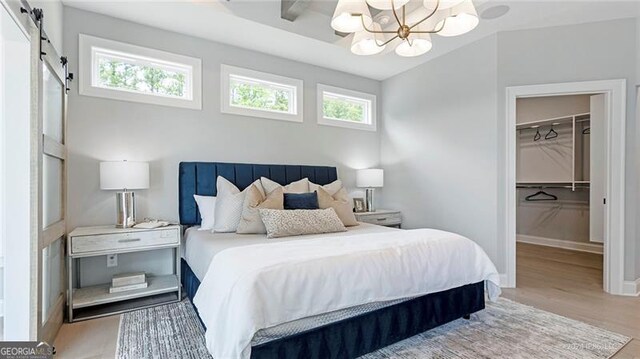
(101, 129)
(442, 137)
(439, 144)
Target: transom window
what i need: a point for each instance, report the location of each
(258, 94)
(132, 73)
(346, 108)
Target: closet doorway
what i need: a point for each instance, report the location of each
(565, 180)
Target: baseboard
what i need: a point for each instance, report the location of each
(631, 287)
(550, 242)
(504, 283)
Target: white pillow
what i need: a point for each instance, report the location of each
(207, 209)
(229, 205)
(301, 186)
(331, 188)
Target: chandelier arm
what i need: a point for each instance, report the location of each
(395, 14)
(404, 15)
(428, 16)
(434, 31)
(372, 31)
(386, 42)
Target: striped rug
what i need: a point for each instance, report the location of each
(505, 329)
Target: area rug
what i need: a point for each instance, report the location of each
(505, 329)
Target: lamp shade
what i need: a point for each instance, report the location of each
(371, 177)
(366, 43)
(387, 4)
(460, 19)
(120, 175)
(420, 44)
(343, 19)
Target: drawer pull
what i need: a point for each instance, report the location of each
(128, 240)
(381, 219)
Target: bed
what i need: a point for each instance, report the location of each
(346, 332)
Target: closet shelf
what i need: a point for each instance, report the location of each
(553, 184)
(556, 120)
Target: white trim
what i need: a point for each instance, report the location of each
(558, 243)
(631, 287)
(192, 65)
(296, 113)
(503, 280)
(370, 98)
(615, 188)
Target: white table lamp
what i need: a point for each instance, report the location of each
(124, 176)
(370, 178)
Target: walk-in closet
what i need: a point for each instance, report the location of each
(560, 181)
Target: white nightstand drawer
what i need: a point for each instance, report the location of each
(382, 217)
(122, 241)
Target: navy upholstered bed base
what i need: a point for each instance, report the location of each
(200, 178)
(356, 336)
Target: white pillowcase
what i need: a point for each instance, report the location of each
(301, 186)
(207, 209)
(331, 188)
(229, 205)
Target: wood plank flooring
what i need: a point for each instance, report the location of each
(567, 283)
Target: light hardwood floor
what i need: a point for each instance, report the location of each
(564, 282)
(569, 283)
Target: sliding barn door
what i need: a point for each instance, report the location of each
(32, 217)
(52, 189)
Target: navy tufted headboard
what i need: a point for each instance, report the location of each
(200, 178)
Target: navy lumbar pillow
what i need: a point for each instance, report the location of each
(301, 200)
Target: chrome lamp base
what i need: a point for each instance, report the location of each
(369, 207)
(125, 209)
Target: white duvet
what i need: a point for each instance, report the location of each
(259, 286)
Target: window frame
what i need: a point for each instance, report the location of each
(89, 45)
(227, 71)
(338, 91)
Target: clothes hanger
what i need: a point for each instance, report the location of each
(552, 133)
(537, 136)
(549, 197)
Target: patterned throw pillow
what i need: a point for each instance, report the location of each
(285, 223)
(229, 203)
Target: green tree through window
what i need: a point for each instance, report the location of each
(139, 78)
(259, 96)
(342, 110)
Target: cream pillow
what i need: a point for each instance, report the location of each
(301, 186)
(250, 221)
(340, 202)
(295, 222)
(331, 188)
(229, 203)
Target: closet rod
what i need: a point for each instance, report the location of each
(552, 186)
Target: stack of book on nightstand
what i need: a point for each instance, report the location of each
(128, 281)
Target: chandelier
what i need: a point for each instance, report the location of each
(442, 17)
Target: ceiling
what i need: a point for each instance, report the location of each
(257, 25)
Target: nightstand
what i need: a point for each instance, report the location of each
(85, 302)
(382, 217)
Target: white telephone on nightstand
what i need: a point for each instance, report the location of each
(151, 223)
